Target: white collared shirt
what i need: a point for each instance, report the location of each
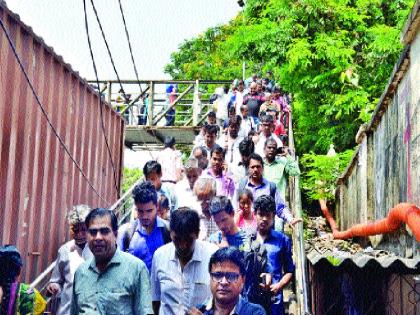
(178, 290)
(69, 258)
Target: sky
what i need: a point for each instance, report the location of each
(156, 29)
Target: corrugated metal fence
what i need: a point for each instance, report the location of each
(39, 182)
(385, 169)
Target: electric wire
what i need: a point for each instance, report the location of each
(112, 59)
(129, 45)
(43, 111)
(99, 100)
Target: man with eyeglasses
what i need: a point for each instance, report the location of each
(112, 282)
(227, 274)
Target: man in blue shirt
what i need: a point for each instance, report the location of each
(279, 250)
(223, 214)
(148, 232)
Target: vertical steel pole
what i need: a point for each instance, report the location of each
(150, 104)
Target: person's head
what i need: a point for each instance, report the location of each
(267, 125)
(184, 227)
(245, 199)
(169, 142)
(210, 133)
(244, 111)
(200, 153)
(152, 171)
(192, 171)
(146, 202)
(227, 274)
(163, 207)
(102, 225)
(231, 111)
(205, 190)
(253, 88)
(246, 148)
(260, 88)
(211, 118)
(265, 210)
(222, 212)
(276, 92)
(241, 85)
(10, 265)
(76, 218)
(270, 149)
(234, 125)
(217, 158)
(256, 167)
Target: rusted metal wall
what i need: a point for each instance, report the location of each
(39, 182)
(385, 169)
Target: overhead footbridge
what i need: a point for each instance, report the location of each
(154, 109)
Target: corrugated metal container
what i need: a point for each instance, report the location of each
(385, 169)
(39, 182)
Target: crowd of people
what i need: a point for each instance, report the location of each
(206, 235)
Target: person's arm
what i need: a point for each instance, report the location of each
(155, 286)
(282, 211)
(143, 297)
(277, 287)
(57, 275)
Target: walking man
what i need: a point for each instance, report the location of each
(112, 282)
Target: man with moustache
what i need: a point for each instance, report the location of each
(112, 282)
(148, 232)
(179, 274)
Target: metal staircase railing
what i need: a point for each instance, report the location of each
(297, 236)
(122, 208)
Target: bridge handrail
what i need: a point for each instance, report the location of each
(147, 104)
(297, 235)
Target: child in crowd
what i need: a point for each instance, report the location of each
(163, 208)
(244, 217)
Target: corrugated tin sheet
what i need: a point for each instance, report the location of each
(38, 181)
(341, 258)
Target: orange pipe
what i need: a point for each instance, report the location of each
(401, 213)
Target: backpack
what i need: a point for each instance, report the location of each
(129, 233)
(255, 258)
(273, 188)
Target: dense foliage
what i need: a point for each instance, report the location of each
(130, 177)
(334, 56)
(321, 172)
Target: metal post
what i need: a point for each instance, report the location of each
(150, 105)
(196, 104)
(108, 99)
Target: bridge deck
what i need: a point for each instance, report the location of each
(155, 135)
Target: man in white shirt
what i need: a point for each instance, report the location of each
(230, 142)
(184, 188)
(267, 128)
(170, 160)
(179, 276)
(70, 256)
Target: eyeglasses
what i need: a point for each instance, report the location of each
(229, 276)
(103, 231)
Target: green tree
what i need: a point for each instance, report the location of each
(333, 56)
